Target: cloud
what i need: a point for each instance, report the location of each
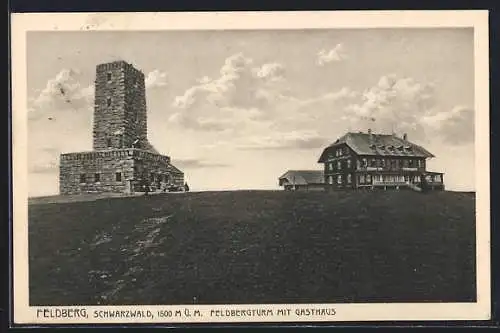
(336, 54)
(455, 126)
(281, 141)
(156, 79)
(240, 86)
(394, 104)
(272, 71)
(62, 109)
(62, 93)
(45, 167)
(197, 164)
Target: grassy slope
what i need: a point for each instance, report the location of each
(254, 247)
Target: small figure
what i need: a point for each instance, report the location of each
(145, 187)
(423, 183)
(186, 187)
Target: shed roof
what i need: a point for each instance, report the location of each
(303, 177)
(371, 144)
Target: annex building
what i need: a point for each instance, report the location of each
(122, 159)
(302, 180)
(385, 161)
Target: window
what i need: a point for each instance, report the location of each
(437, 178)
(97, 177)
(383, 163)
(358, 164)
(349, 178)
(108, 101)
(368, 178)
(108, 76)
(330, 166)
(339, 165)
(410, 163)
(330, 180)
(118, 176)
(365, 162)
(83, 178)
(348, 164)
(108, 142)
(361, 179)
(373, 163)
(405, 163)
(339, 179)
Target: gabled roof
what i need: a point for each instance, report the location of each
(377, 145)
(175, 169)
(302, 177)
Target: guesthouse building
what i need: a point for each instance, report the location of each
(378, 161)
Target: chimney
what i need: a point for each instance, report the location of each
(370, 134)
(405, 137)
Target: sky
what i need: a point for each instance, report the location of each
(237, 109)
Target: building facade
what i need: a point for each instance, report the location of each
(302, 180)
(368, 160)
(122, 159)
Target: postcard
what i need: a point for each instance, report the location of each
(239, 167)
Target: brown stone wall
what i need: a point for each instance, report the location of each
(157, 171)
(107, 164)
(120, 115)
(135, 121)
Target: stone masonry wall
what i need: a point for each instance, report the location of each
(157, 172)
(73, 165)
(120, 106)
(134, 165)
(135, 122)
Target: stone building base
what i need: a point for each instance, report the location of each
(117, 171)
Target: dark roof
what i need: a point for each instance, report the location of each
(303, 177)
(378, 145)
(175, 169)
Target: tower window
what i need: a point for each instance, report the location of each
(108, 101)
(118, 176)
(108, 76)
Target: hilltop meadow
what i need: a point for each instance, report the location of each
(254, 247)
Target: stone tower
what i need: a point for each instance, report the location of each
(122, 159)
(120, 117)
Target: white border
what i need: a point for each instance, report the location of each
(21, 23)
